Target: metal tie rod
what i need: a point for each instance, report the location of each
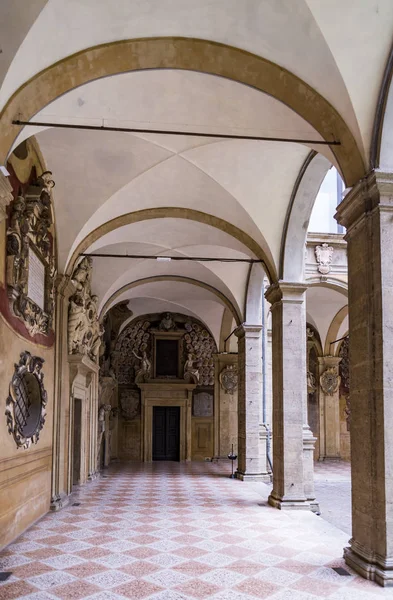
(224, 136)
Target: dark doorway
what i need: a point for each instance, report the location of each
(77, 442)
(166, 432)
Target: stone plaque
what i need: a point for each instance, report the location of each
(36, 279)
(202, 405)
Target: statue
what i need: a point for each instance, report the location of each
(85, 331)
(144, 372)
(167, 323)
(191, 374)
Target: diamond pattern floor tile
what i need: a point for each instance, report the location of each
(170, 531)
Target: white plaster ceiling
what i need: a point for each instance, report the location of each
(176, 296)
(324, 43)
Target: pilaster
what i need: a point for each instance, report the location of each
(367, 213)
(329, 401)
(61, 404)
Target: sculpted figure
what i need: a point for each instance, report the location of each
(144, 372)
(191, 373)
(167, 323)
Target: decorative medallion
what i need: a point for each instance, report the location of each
(324, 257)
(84, 329)
(228, 379)
(30, 256)
(25, 406)
(330, 381)
(130, 404)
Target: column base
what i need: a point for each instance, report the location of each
(59, 501)
(372, 567)
(263, 477)
(288, 503)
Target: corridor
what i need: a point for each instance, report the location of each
(171, 531)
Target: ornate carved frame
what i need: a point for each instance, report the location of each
(28, 364)
(30, 225)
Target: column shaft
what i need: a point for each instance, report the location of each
(290, 398)
(367, 213)
(250, 460)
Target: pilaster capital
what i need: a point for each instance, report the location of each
(64, 286)
(374, 190)
(329, 361)
(247, 330)
(5, 196)
(284, 291)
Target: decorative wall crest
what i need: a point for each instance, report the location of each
(330, 381)
(30, 256)
(167, 323)
(228, 379)
(130, 404)
(25, 405)
(84, 329)
(324, 257)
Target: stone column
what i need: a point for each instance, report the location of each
(367, 213)
(251, 462)
(61, 402)
(329, 402)
(293, 442)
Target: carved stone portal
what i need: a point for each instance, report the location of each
(330, 381)
(324, 257)
(84, 329)
(228, 379)
(30, 256)
(25, 405)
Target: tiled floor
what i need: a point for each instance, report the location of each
(169, 532)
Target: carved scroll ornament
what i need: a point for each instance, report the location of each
(324, 257)
(30, 240)
(84, 329)
(25, 405)
(330, 381)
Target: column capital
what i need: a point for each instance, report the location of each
(246, 329)
(374, 190)
(285, 291)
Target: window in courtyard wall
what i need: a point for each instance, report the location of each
(328, 198)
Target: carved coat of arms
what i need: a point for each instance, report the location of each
(228, 379)
(130, 404)
(330, 381)
(324, 257)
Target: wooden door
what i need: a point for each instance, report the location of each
(166, 432)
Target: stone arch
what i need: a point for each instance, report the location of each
(228, 304)
(294, 235)
(182, 53)
(333, 331)
(381, 152)
(262, 254)
(254, 295)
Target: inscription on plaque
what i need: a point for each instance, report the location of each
(36, 280)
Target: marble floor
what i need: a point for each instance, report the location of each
(168, 531)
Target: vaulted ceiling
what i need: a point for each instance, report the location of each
(151, 194)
